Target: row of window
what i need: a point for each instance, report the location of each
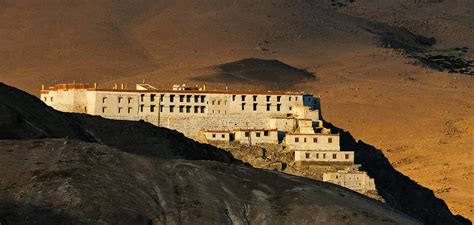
(152, 108)
(315, 140)
(268, 98)
(215, 135)
(182, 98)
(46, 99)
(255, 105)
(323, 156)
(257, 134)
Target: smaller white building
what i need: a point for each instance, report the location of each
(351, 178)
(217, 135)
(256, 136)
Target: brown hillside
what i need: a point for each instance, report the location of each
(421, 118)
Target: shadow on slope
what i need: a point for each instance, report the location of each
(25, 213)
(23, 116)
(100, 185)
(260, 72)
(398, 190)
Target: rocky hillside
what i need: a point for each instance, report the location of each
(98, 174)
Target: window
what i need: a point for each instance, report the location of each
(104, 99)
(247, 134)
(196, 109)
(141, 108)
(51, 99)
(268, 107)
(161, 108)
(268, 98)
(45, 99)
(196, 98)
(317, 155)
(104, 109)
(304, 140)
(213, 102)
(257, 134)
(243, 97)
(289, 98)
(171, 108)
(265, 133)
(297, 140)
(233, 97)
(161, 97)
(329, 140)
(324, 155)
(291, 108)
(152, 97)
(213, 135)
(152, 108)
(119, 109)
(219, 102)
(188, 109)
(254, 106)
(278, 98)
(315, 140)
(334, 156)
(346, 156)
(296, 98)
(129, 100)
(307, 155)
(254, 98)
(181, 98)
(223, 136)
(142, 97)
(119, 99)
(188, 98)
(129, 110)
(171, 98)
(202, 109)
(278, 107)
(202, 98)
(181, 108)
(243, 106)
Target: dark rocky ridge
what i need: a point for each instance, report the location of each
(161, 178)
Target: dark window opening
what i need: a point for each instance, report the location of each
(181, 98)
(268, 107)
(278, 107)
(265, 133)
(297, 140)
(334, 156)
(254, 98)
(307, 155)
(278, 98)
(247, 134)
(254, 106)
(329, 140)
(243, 106)
(268, 98)
(171, 108)
(171, 98)
(243, 97)
(152, 97)
(257, 134)
(152, 108)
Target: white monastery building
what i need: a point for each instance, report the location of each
(291, 119)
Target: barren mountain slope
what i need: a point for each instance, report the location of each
(57, 181)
